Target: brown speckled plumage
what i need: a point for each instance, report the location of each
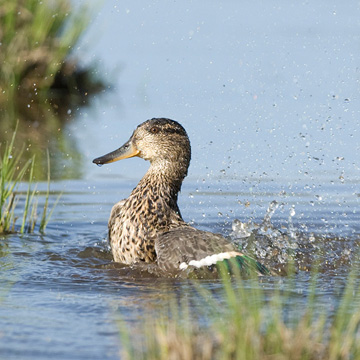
(135, 222)
(147, 226)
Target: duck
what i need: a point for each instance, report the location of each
(147, 228)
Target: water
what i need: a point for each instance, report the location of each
(268, 94)
(61, 292)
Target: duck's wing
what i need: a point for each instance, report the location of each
(114, 214)
(188, 249)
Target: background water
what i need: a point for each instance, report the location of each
(264, 88)
(268, 92)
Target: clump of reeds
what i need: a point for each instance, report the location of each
(12, 173)
(247, 324)
(36, 39)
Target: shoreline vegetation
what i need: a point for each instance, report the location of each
(36, 39)
(42, 83)
(245, 321)
(12, 174)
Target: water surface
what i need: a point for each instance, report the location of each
(62, 294)
(268, 94)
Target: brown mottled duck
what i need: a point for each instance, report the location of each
(147, 227)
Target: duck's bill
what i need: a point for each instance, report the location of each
(126, 151)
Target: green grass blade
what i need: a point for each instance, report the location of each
(45, 214)
(12, 173)
(28, 197)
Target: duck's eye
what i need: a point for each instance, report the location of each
(154, 130)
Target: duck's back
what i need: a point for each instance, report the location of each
(186, 249)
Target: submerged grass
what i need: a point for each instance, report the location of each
(11, 175)
(248, 324)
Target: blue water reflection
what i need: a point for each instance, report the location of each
(263, 88)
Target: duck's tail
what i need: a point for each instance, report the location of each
(244, 264)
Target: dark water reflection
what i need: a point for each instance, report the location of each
(61, 295)
(45, 130)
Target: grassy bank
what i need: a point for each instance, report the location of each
(248, 324)
(12, 173)
(36, 39)
(42, 84)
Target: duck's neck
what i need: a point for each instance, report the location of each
(162, 183)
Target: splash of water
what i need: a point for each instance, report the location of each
(277, 248)
(265, 240)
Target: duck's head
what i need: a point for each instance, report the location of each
(161, 141)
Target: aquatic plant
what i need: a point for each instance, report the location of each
(36, 39)
(249, 324)
(12, 173)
